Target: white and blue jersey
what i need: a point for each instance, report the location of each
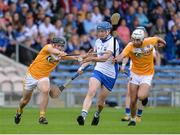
(106, 72)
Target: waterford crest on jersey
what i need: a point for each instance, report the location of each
(106, 67)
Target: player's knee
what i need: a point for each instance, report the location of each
(44, 89)
(91, 92)
(141, 97)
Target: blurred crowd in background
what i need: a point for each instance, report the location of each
(33, 22)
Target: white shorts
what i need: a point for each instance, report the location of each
(31, 83)
(139, 79)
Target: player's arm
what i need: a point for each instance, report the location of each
(80, 70)
(78, 57)
(124, 62)
(56, 52)
(124, 53)
(102, 58)
(161, 42)
(119, 57)
(71, 58)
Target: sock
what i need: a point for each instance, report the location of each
(139, 113)
(127, 111)
(42, 114)
(133, 119)
(96, 114)
(84, 114)
(19, 110)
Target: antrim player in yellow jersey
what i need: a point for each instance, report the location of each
(140, 51)
(38, 76)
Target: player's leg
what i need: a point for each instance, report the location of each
(29, 84)
(145, 85)
(100, 104)
(43, 86)
(143, 92)
(127, 105)
(133, 89)
(93, 85)
(23, 102)
(139, 111)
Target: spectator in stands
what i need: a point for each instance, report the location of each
(173, 43)
(96, 15)
(70, 20)
(40, 16)
(158, 29)
(116, 8)
(31, 27)
(158, 12)
(6, 18)
(46, 27)
(88, 24)
(106, 14)
(38, 76)
(3, 7)
(15, 20)
(3, 38)
(123, 32)
(84, 11)
(23, 12)
(11, 40)
(80, 25)
(12, 7)
(73, 45)
(85, 43)
(34, 7)
(143, 20)
(175, 20)
(130, 16)
(92, 37)
(135, 24)
(59, 30)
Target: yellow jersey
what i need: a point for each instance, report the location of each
(41, 66)
(142, 58)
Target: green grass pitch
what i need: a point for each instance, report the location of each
(63, 121)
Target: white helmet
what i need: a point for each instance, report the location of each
(138, 34)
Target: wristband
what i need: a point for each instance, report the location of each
(81, 68)
(123, 64)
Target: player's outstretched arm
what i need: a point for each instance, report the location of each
(56, 52)
(102, 58)
(161, 42)
(124, 62)
(81, 68)
(119, 57)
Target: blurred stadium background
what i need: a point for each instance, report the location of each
(27, 25)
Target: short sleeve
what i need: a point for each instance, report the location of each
(153, 41)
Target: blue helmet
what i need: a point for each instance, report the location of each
(104, 26)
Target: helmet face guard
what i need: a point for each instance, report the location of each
(59, 41)
(138, 34)
(104, 27)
